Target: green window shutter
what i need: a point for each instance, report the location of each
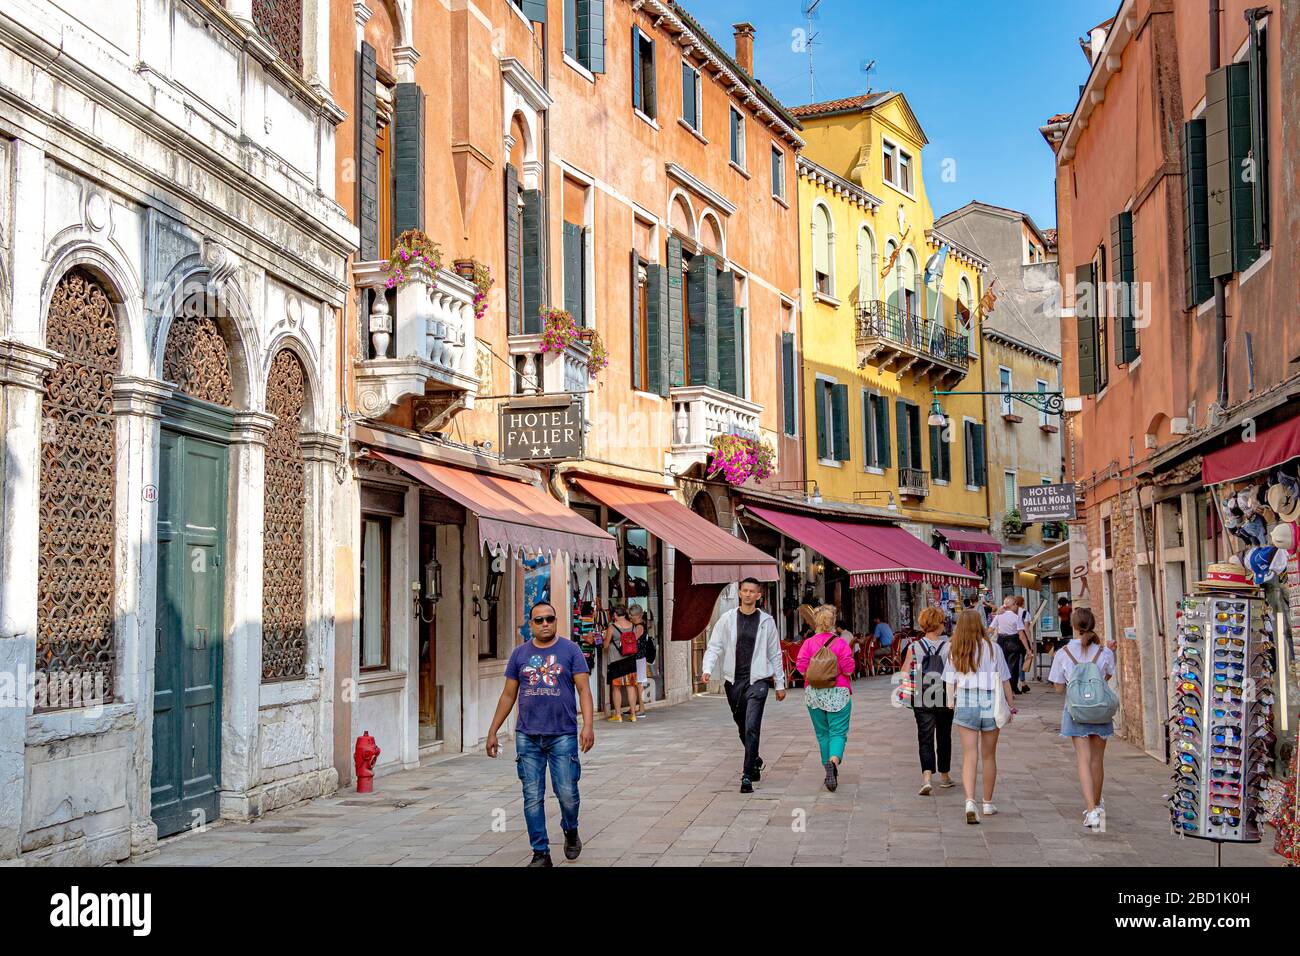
(935, 441)
(788, 382)
(689, 96)
(904, 434)
(635, 311)
(573, 277)
(648, 83)
(1121, 252)
(514, 263)
(945, 456)
(367, 155)
(702, 332)
(1219, 172)
(1196, 237)
(656, 329)
(590, 38)
(1257, 61)
(823, 436)
(1245, 250)
(914, 434)
(881, 418)
(968, 439)
(636, 68)
(726, 345)
(408, 158)
(1085, 309)
(868, 432)
(980, 466)
(676, 322)
(571, 29)
(534, 10)
(533, 234)
(840, 409)
(741, 352)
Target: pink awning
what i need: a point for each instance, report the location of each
(1272, 446)
(513, 515)
(871, 553)
(960, 539)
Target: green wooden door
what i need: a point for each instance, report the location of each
(191, 612)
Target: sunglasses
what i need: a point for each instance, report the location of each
(1219, 751)
(1232, 787)
(1188, 686)
(1226, 774)
(1233, 606)
(1237, 655)
(1189, 759)
(1190, 630)
(1187, 722)
(1221, 713)
(1225, 641)
(1235, 618)
(1190, 652)
(1181, 768)
(545, 619)
(1229, 665)
(1185, 814)
(1189, 827)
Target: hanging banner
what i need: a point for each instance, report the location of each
(1046, 503)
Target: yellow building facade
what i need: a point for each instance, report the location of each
(878, 338)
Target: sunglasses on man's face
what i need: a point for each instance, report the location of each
(544, 619)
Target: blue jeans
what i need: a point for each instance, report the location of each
(534, 752)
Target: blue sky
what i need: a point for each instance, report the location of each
(981, 75)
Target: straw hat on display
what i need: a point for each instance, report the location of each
(1284, 497)
(1227, 576)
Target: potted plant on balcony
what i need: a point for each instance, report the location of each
(412, 248)
(481, 276)
(599, 357)
(1054, 530)
(738, 459)
(558, 330)
(1013, 526)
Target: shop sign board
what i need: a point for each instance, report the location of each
(541, 428)
(1046, 503)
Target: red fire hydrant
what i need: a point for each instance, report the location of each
(365, 755)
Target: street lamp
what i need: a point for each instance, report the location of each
(1050, 403)
(936, 413)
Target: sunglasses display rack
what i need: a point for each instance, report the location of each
(1221, 716)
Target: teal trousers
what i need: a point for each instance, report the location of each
(832, 731)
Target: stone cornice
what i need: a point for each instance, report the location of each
(25, 365)
(716, 198)
(139, 396)
(252, 428)
(518, 77)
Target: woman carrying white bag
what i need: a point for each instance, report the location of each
(979, 690)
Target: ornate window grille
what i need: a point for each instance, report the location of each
(280, 21)
(197, 360)
(284, 643)
(75, 577)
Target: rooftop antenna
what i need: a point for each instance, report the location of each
(810, 14)
(868, 67)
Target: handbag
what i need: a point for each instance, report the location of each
(1001, 709)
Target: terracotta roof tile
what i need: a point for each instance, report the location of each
(834, 106)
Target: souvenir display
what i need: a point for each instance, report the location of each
(1222, 707)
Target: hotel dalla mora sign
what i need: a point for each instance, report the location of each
(1046, 503)
(541, 428)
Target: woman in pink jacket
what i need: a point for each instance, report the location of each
(829, 707)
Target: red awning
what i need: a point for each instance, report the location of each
(871, 553)
(960, 539)
(1272, 446)
(519, 517)
(716, 556)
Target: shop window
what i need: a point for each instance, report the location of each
(375, 573)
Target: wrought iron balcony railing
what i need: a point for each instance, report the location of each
(895, 340)
(913, 482)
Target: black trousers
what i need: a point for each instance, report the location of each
(1014, 652)
(934, 724)
(747, 702)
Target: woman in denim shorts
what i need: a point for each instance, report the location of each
(976, 671)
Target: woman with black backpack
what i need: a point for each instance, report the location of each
(924, 663)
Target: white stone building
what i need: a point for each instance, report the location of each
(172, 269)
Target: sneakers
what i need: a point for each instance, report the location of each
(572, 844)
(617, 718)
(1092, 819)
(541, 859)
(632, 717)
(746, 785)
(971, 815)
(947, 782)
(832, 776)
(926, 789)
(989, 809)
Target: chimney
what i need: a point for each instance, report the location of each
(745, 46)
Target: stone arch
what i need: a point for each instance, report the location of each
(866, 263)
(681, 214)
(314, 415)
(713, 237)
(521, 140)
(284, 490)
(909, 280)
(77, 537)
(704, 506)
(119, 285)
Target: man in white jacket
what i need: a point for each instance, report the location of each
(747, 641)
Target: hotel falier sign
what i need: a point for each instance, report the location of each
(537, 428)
(1046, 503)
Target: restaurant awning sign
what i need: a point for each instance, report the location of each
(541, 428)
(1046, 503)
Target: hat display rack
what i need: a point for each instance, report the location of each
(1260, 517)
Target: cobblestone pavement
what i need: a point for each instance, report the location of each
(664, 792)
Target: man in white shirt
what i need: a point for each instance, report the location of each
(1008, 628)
(746, 640)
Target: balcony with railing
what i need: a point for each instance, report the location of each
(893, 340)
(551, 372)
(913, 482)
(419, 338)
(700, 414)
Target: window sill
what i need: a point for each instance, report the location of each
(781, 200)
(581, 70)
(645, 394)
(974, 487)
(825, 299)
(521, 15)
(1264, 258)
(899, 189)
(689, 128)
(1136, 364)
(646, 119)
(830, 463)
(1205, 307)
(740, 169)
(873, 470)
(941, 482)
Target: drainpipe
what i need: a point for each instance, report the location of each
(1220, 304)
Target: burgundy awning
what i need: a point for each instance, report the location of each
(871, 553)
(716, 556)
(1272, 446)
(961, 539)
(513, 515)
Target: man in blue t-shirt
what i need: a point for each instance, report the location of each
(883, 633)
(541, 675)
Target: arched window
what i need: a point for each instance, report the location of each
(284, 640)
(966, 313)
(75, 573)
(866, 265)
(197, 360)
(823, 243)
(891, 281)
(909, 283)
